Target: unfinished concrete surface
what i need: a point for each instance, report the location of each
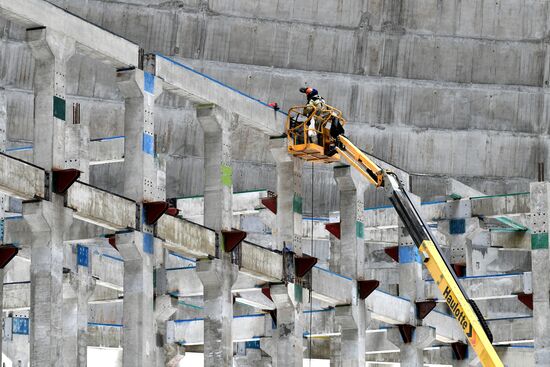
(158, 102)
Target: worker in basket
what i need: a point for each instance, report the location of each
(316, 103)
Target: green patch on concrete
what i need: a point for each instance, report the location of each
(359, 229)
(539, 241)
(59, 106)
(227, 175)
(455, 196)
(298, 293)
(297, 204)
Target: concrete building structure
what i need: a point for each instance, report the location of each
(149, 207)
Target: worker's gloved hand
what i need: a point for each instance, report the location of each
(303, 89)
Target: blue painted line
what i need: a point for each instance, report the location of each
(15, 149)
(249, 316)
(379, 207)
(182, 257)
(190, 305)
(511, 318)
(433, 202)
(320, 219)
(485, 276)
(109, 138)
(188, 320)
(106, 325)
(181, 268)
(218, 82)
(14, 217)
(333, 273)
(113, 257)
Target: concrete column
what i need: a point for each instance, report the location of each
(48, 223)
(351, 319)
(51, 52)
(138, 341)
(411, 286)
(412, 353)
(77, 290)
(3, 198)
(83, 285)
(288, 337)
(217, 275)
(283, 231)
(48, 220)
(540, 262)
(140, 90)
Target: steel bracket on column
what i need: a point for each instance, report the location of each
(270, 203)
(392, 252)
(172, 211)
(423, 308)
(334, 229)
(266, 291)
(406, 332)
(62, 179)
(231, 239)
(112, 241)
(366, 287)
(154, 210)
(460, 351)
(526, 299)
(303, 264)
(7, 253)
(460, 269)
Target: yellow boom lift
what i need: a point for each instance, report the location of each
(309, 138)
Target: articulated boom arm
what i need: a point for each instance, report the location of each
(465, 310)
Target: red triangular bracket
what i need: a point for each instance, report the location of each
(267, 292)
(62, 179)
(366, 287)
(112, 241)
(231, 239)
(460, 351)
(154, 210)
(173, 212)
(392, 252)
(460, 269)
(334, 229)
(406, 332)
(526, 299)
(270, 203)
(423, 308)
(304, 264)
(7, 253)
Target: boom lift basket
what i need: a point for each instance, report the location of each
(308, 132)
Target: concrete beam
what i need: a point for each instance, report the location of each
(261, 263)
(101, 207)
(487, 286)
(21, 179)
(92, 40)
(186, 238)
(199, 88)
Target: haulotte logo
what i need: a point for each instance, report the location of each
(458, 312)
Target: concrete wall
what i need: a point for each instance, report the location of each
(456, 88)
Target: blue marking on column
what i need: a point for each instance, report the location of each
(457, 226)
(20, 326)
(148, 246)
(148, 145)
(82, 255)
(1, 230)
(252, 344)
(149, 82)
(409, 254)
